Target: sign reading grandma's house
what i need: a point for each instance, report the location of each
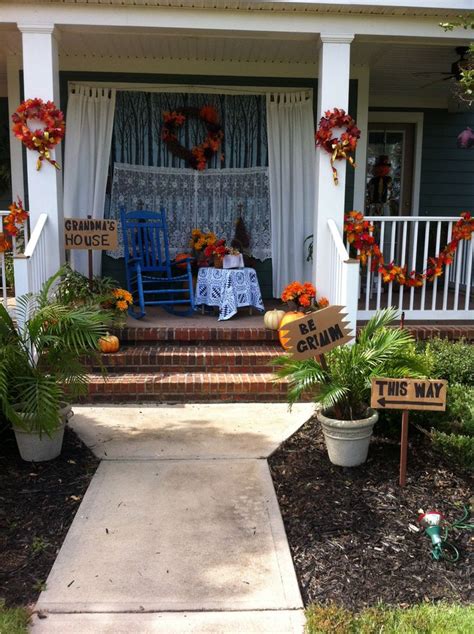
(90, 234)
(407, 394)
(317, 333)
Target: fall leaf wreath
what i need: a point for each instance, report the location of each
(360, 232)
(342, 147)
(40, 140)
(198, 156)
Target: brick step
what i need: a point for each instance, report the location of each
(189, 387)
(224, 335)
(184, 358)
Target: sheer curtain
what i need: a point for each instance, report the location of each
(292, 169)
(90, 118)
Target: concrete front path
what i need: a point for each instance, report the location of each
(180, 529)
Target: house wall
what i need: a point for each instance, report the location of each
(447, 172)
(5, 194)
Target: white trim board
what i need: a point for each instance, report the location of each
(401, 117)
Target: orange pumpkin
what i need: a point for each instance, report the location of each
(109, 343)
(289, 317)
(182, 256)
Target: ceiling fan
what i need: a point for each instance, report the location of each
(462, 63)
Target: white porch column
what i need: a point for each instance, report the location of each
(362, 121)
(16, 157)
(333, 92)
(41, 79)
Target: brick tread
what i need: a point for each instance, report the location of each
(185, 358)
(139, 334)
(185, 387)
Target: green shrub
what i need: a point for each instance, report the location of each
(418, 619)
(459, 448)
(453, 361)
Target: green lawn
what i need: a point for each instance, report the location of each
(13, 620)
(420, 619)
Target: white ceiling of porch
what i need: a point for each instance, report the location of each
(393, 65)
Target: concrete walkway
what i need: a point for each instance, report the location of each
(180, 529)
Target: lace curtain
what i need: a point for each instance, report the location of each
(212, 200)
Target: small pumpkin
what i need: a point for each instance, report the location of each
(181, 258)
(273, 318)
(290, 316)
(109, 343)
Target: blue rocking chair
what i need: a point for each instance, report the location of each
(151, 275)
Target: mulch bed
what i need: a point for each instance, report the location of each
(349, 529)
(37, 505)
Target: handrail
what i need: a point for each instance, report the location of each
(338, 243)
(35, 236)
(411, 218)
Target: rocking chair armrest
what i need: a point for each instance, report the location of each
(133, 261)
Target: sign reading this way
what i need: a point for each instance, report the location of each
(407, 394)
(317, 333)
(95, 235)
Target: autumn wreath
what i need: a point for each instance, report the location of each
(198, 156)
(342, 147)
(41, 140)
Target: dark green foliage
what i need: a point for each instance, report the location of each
(458, 447)
(75, 288)
(453, 361)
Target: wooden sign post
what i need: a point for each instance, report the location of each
(408, 394)
(317, 333)
(93, 235)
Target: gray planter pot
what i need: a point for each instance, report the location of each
(347, 441)
(36, 447)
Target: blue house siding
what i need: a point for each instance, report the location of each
(447, 172)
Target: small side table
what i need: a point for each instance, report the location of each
(229, 289)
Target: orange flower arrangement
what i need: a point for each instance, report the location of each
(360, 234)
(40, 140)
(16, 218)
(122, 299)
(342, 147)
(303, 296)
(198, 156)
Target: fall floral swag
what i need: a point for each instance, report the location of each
(360, 234)
(12, 224)
(198, 156)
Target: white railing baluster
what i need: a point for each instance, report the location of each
(470, 256)
(379, 277)
(413, 262)
(435, 281)
(393, 237)
(425, 259)
(458, 262)
(403, 261)
(447, 270)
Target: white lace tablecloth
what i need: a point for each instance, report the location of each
(228, 289)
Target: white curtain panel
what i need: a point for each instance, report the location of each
(292, 169)
(90, 118)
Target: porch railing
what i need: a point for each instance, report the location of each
(4, 263)
(411, 241)
(31, 269)
(343, 275)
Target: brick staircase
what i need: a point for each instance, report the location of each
(189, 365)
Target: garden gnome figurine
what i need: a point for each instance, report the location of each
(466, 139)
(380, 185)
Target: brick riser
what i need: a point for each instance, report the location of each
(186, 388)
(184, 358)
(225, 336)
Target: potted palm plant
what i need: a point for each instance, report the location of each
(41, 369)
(342, 385)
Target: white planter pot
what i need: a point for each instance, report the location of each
(34, 447)
(347, 441)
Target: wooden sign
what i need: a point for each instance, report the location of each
(90, 234)
(317, 333)
(423, 394)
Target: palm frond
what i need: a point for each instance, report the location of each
(381, 319)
